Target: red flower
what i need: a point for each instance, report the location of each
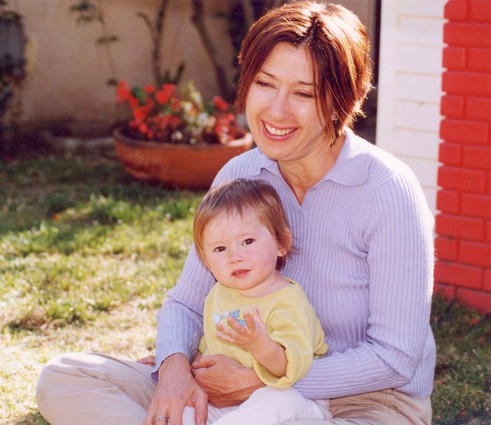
(164, 114)
(149, 89)
(140, 113)
(149, 103)
(163, 95)
(175, 105)
(220, 104)
(174, 121)
(123, 92)
(143, 128)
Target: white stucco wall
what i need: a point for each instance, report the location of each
(68, 71)
(409, 88)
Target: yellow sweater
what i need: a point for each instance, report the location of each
(290, 319)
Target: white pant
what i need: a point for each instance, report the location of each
(266, 406)
(95, 389)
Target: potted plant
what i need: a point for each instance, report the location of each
(175, 137)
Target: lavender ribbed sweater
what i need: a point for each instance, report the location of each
(364, 255)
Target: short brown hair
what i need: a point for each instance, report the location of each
(337, 44)
(241, 196)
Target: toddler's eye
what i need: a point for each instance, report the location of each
(248, 241)
(219, 249)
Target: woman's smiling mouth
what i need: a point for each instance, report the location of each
(274, 131)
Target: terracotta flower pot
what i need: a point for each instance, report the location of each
(173, 165)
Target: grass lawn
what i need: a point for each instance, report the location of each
(87, 255)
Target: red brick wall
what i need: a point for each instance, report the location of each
(463, 226)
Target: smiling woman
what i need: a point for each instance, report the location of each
(363, 248)
(285, 119)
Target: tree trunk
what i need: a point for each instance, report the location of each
(220, 75)
(157, 43)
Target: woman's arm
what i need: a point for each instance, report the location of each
(398, 349)
(180, 320)
(226, 382)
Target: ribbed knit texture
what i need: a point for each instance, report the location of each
(363, 251)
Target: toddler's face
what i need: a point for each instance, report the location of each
(241, 253)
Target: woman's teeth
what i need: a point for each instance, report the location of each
(278, 131)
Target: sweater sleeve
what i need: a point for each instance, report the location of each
(180, 319)
(399, 249)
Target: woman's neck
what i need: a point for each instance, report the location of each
(303, 175)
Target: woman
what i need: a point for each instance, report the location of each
(363, 249)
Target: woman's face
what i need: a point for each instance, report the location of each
(281, 108)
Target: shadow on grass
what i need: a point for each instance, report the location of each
(476, 418)
(93, 191)
(462, 390)
(32, 419)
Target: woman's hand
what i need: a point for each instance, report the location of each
(175, 390)
(226, 382)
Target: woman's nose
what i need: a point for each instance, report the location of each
(278, 106)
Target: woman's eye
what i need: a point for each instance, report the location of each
(262, 83)
(248, 241)
(305, 95)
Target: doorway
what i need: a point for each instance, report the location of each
(369, 12)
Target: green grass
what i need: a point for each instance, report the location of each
(83, 248)
(463, 373)
(78, 238)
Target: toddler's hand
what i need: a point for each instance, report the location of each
(247, 337)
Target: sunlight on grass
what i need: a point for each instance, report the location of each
(83, 248)
(126, 332)
(100, 246)
(87, 256)
(70, 272)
